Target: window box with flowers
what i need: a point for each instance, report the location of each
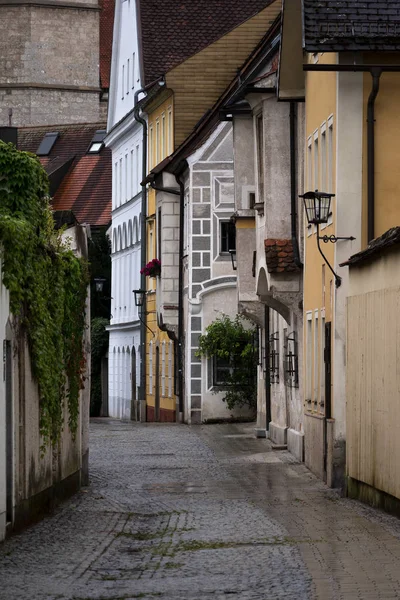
(152, 269)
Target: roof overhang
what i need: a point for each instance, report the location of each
(291, 81)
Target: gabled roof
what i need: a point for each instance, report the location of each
(173, 31)
(347, 25)
(80, 182)
(106, 39)
(264, 52)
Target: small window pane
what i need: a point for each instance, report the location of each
(227, 237)
(47, 143)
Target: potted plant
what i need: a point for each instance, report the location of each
(152, 269)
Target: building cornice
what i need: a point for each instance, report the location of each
(50, 86)
(51, 4)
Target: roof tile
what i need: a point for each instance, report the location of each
(86, 187)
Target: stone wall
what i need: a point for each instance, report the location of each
(50, 70)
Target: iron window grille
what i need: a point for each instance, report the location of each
(274, 357)
(292, 360)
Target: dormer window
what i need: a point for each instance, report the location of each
(47, 143)
(97, 142)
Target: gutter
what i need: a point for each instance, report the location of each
(143, 323)
(293, 186)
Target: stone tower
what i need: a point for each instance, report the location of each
(50, 62)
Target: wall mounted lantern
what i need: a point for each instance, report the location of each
(317, 206)
(139, 297)
(99, 284)
(233, 259)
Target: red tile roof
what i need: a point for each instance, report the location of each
(174, 30)
(86, 186)
(106, 38)
(279, 256)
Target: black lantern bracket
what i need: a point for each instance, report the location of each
(317, 207)
(140, 296)
(233, 259)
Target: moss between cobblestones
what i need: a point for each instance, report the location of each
(169, 550)
(140, 535)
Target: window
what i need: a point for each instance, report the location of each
(274, 357)
(159, 234)
(133, 70)
(127, 77)
(157, 142)
(47, 143)
(120, 181)
(324, 182)
(137, 168)
(123, 82)
(316, 359)
(170, 131)
(291, 360)
(133, 182)
(322, 362)
(163, 137)
(330, 157)
(170, 350)
(260, 157)
(163, 369)
(316, 162)
(309, 164)
(308, 387)
(151, 368)
(151, 146)
(126, 177)
(221, 370)
(252, 200)
(227, 236)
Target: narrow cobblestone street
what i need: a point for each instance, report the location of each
(208, 512)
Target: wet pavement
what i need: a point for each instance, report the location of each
(175, 512)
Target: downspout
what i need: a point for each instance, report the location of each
(375, 73)
(143, 324)
(293, 185)
(180, 299)
(181, 194)
(267, 371)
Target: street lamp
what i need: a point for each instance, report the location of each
(139, 297)
(233, 259)
(317, 206)
(99, 284)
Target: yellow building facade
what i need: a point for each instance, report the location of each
(160, 348)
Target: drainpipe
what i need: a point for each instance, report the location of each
(267, 371)
(181, 194)
(180, 300)
(376, 73)
(139, 119)
(293, 186)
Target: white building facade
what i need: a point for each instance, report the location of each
(125, 138)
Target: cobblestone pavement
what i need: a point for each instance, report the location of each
(210, 512)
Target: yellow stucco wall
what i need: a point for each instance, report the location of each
(160, 145)
(387, 147)
(319, 285)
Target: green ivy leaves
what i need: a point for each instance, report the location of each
(48, 288)
(228, 338)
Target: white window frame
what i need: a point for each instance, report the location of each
(309, 178)
(308, 357)
(163, 369)
(316, 389)
(330, 151)
(151, 368)
(170, 352)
